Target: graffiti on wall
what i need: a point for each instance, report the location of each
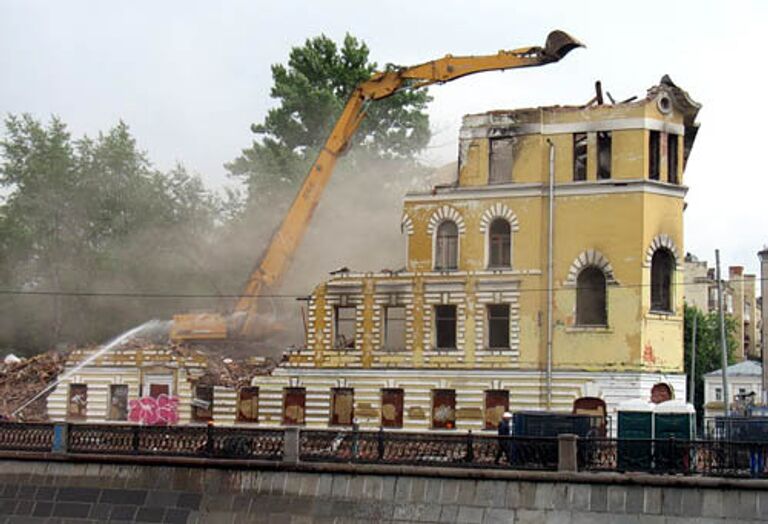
(162, 410)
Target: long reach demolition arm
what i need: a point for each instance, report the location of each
(244, 323)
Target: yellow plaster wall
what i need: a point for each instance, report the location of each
(620, 225)
(474, 170)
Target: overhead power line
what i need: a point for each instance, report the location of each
(170, 295)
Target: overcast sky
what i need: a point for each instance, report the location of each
(189, 77)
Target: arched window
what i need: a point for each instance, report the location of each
(447, 246)
(590, 298)
(499, 244)
(662, 267)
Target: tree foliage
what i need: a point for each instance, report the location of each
(708, 353)
(312, 90)
(86, 215)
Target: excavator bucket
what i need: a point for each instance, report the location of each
(559, 43)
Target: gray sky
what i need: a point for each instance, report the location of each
(189, 77)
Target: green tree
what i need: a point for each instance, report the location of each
(708, 353)
(312, 90)
(93, 215)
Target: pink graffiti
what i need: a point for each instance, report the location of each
(151, 411)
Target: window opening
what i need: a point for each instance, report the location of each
(155, 390)
(591, 307)
(579, 157)
(345, 327)
(118, 402)
(498, 326)
(672, 167)
(77, 405)
(394, 328)
(603, 155)
(496, 403)
(443, 409)
(392, 401)
(342, 406)
(202, 404)
(445, 326)
(662, 266)
(447, 246)
(653, 155)
(500, 244)
(248, 404)
(294, 401)
(502, 153)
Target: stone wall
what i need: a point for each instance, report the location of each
(53, 492)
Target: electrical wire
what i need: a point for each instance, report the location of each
(134, 295)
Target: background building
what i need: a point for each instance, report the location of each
(739, 300)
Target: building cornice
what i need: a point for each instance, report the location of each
(602, 187)
(487, 129)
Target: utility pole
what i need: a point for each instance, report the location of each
(763, 255)
(692, 395)
(723, 346)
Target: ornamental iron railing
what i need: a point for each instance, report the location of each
(428, 449)
(26, 437)
(716, 458)
(191, 441)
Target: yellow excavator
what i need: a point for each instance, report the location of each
(246, 322)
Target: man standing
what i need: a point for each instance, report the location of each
(505, 430)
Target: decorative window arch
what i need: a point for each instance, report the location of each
(406, 227)
(498, 211)
(445, 213)
(665, 241)
(590, 257)
(445, 226)
(406, 224)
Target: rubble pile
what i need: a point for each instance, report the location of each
(22, 380)
(233, 373)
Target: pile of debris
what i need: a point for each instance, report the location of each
(224, 371)
(20, 380)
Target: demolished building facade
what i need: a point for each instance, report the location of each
(475, 324)
(469, 314)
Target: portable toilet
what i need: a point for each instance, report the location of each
(674, 419)
(635, 431)
(674, 425)
(635, 419)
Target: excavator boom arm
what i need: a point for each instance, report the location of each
(286, 239)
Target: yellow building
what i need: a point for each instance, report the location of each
(469, 329)
(479, 321)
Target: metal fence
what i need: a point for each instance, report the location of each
(717, 458)
(180, 441)
(721, 458)
(26, 437)
(428, 449)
